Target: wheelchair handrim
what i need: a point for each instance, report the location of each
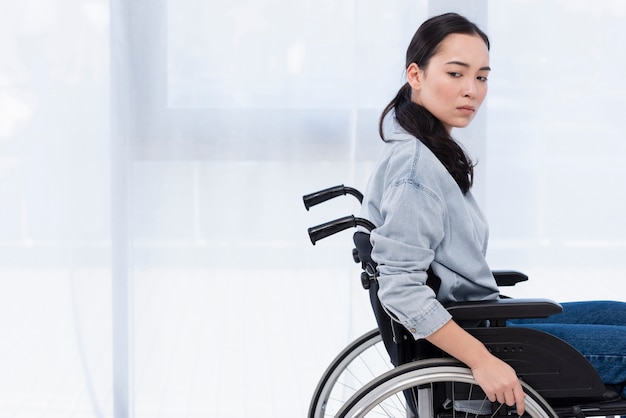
(426, 372)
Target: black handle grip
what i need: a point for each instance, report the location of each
(316, 198)
(327, 229)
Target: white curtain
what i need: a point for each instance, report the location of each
(154, 259)
(555, 170)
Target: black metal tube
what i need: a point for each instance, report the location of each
(354, 192)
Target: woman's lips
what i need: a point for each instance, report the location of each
(467, 110)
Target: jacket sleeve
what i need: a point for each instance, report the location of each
(403, 247)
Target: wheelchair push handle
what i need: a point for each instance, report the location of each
(327, 229)
(321, 196)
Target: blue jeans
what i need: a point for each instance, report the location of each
(597, 329)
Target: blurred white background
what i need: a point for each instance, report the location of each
(154, 260)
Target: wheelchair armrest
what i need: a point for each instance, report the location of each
(508, 278)
(503, 309)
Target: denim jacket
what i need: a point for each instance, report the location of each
(423, 219)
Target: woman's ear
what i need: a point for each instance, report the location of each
(414, 76)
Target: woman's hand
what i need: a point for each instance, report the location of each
(499, 382)
(496, 378)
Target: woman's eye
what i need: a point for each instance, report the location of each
(454, 74)
(482, 78)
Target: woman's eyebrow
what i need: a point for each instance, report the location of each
(464, 64)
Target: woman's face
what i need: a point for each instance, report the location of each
(454, 83)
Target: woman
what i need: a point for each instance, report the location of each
(419, 198)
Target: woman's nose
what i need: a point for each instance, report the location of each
(470, 90)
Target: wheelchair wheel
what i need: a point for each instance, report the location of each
(441, 388)
(360, 362)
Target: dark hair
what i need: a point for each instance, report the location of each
(416, 119)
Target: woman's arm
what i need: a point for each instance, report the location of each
(497, 379)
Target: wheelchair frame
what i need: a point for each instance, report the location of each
(558, 380)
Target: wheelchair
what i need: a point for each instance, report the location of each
(386, 373)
